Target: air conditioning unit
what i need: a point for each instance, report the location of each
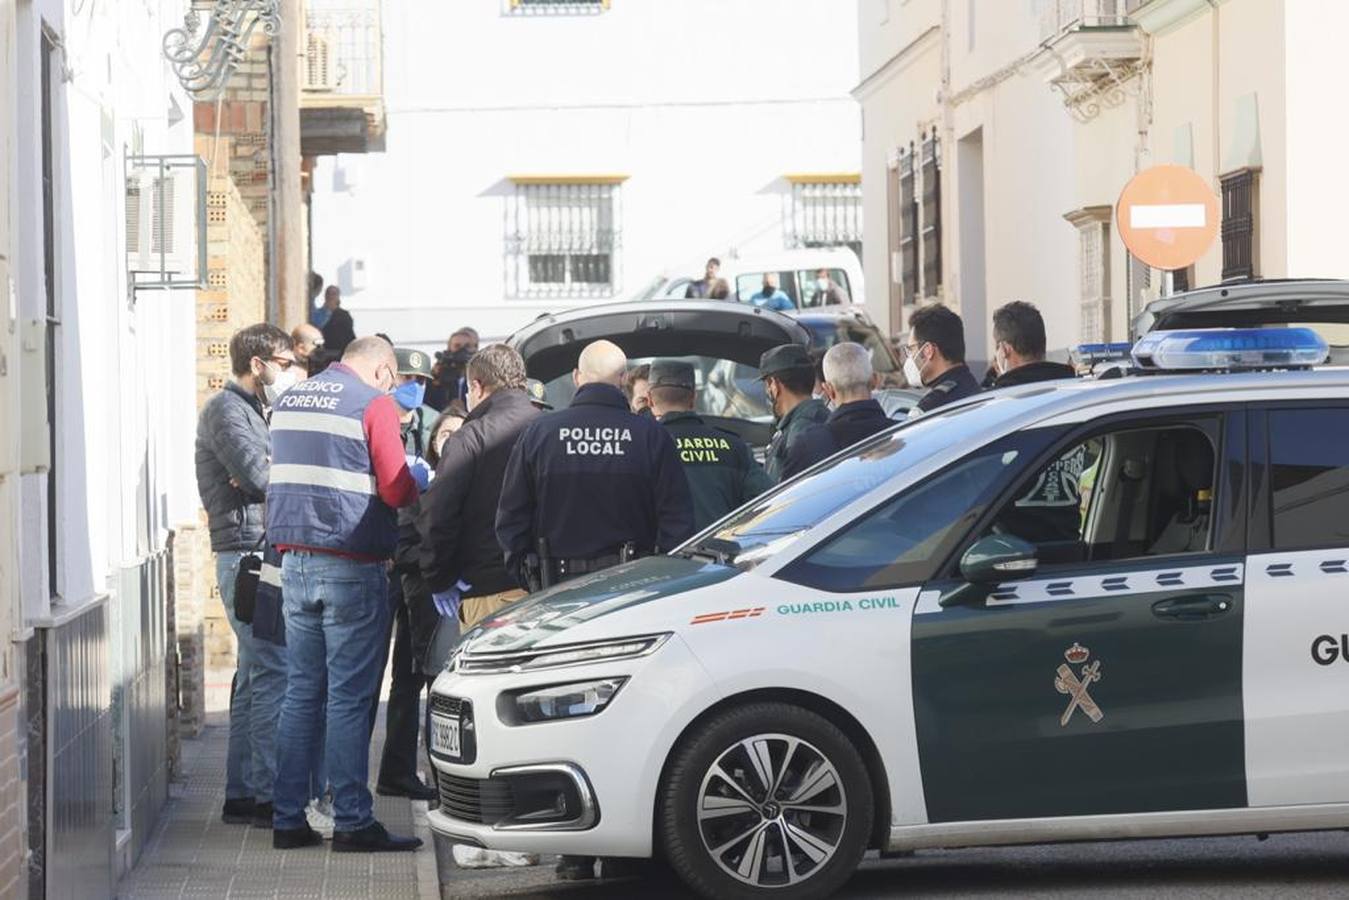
(319, 72)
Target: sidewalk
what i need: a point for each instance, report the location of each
(194, 854)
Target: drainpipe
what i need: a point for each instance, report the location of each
(289, 260)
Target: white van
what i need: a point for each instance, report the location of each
(796, 270)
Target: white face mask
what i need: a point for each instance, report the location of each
(283, 381)
(912, 372)
(822, 283)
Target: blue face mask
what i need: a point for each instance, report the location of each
(410, 395)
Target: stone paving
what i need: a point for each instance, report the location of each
(194, 854)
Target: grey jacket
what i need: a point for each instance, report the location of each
(233, 442)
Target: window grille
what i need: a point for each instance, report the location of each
(931, 165)
(892, 218)
(1138, 282)
(826, 214)
(1093, 235)
(1181, 280)
(908, 229)
(1238, 228)
(562, 238)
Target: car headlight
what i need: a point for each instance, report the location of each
(466, 662)
(558, 701)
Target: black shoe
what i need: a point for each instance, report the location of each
(575, 868)
(295, 838)
(373, 838)
(262, 815)
(238, 812)
(411, 788)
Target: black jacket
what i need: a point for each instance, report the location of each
(590, 478)
(956, 383)
(338, 331)
(233, 442)
(458, 512)
(1033, 372)
(847, 425)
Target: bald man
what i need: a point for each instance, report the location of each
(338, 474)
(306, 339)
(589, 487)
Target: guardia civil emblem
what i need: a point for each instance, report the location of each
(1076, 685)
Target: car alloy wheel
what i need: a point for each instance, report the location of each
(772, 810)
(762, 800)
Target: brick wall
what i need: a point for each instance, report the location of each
(235, 297)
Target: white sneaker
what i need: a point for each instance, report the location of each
(320, 816)
(466, 857)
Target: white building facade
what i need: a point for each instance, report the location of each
(543, 155)
(97, 414)
(1044, 109)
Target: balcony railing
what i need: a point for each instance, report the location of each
(1062, 16)
(344, 51)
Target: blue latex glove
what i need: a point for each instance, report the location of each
(448, 602)
(421, 472)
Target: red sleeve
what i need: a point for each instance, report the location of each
(392, 478)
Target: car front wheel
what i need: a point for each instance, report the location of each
(766, 800)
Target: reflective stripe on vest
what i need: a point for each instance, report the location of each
(322, 492)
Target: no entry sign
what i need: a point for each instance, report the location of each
(1167, 216)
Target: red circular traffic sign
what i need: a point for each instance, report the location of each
(1167, 216)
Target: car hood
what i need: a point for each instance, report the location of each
(542, 617)
(722, 329)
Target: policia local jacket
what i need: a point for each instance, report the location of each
(790, 427)
(590, 478)
(723, 474)
(458, 512)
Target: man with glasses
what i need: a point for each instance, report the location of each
(233, 461)
(934, 358)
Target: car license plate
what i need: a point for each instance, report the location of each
(445, 736)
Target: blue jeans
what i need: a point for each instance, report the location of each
(336, 614)
(259, 685)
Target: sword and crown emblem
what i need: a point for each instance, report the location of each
(1066, 681)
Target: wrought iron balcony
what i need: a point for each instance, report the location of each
(1092, 51)
(342, 97)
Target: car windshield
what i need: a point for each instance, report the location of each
(826, 332)
(723, 387)
(758, 530)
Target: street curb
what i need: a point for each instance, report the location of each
(428, 868)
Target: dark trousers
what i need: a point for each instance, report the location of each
(402, 719)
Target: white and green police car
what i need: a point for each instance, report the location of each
(1068, 611)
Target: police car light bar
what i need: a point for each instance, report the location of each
(1229, 349)
(1088, 355)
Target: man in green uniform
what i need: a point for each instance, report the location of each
(416, 418)
(788, 375)
(721, 469)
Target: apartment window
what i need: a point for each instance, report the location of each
(1093, 235)
(1239, 219)
(558, 6)
(1182, 280)
(562, 236)
(908, 228)
(931, 172)
(1138, 284)
(826, 212)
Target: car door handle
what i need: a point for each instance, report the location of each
(1193, 607)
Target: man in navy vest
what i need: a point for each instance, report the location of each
(338, 475)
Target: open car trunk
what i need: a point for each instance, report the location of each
(723, 340)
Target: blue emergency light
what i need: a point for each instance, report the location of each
(1088, 355)
(1229, 349)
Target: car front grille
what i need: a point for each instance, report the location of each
(446, 706)
(480, 801)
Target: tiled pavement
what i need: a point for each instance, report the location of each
(194, 854)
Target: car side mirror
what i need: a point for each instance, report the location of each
(989, 561)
